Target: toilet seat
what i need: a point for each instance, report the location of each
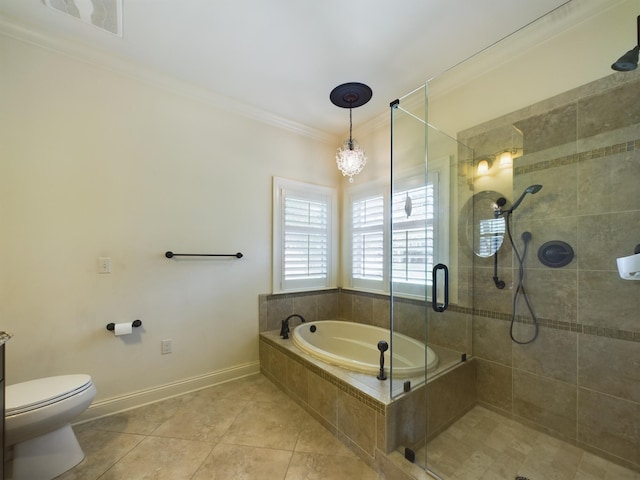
(26, 396)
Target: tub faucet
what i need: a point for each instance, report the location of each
(284, 330)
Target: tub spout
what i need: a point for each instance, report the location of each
(284, 329)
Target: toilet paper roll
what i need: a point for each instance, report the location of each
(122, 329)
(629, 267)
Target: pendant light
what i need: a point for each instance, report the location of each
(350, 157)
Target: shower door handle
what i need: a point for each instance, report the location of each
(440, 307)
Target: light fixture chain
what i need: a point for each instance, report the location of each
(350, 129)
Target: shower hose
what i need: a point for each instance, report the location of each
(520, 290)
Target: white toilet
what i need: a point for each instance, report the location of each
(41, 444)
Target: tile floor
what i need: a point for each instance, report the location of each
(248, 429)
(242, 430)
(483, 445)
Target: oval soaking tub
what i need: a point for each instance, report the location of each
(354, 346)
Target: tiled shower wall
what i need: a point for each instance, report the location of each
(580, 379)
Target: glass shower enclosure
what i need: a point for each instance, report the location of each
(425, 274)
(519, 175)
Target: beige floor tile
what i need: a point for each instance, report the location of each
(160, 459)
(143, 420)
(314, 438)
(242, 430)
(228, 462)
(247, 389)
(267, 424)
(474, 467)
(592, 467)
(616, 472)
(511, 449)
(204, 419)
(311, 466)
(504, 467)
(102, 450)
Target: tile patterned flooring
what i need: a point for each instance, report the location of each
(483, 445)
(249, 430)
(242, 430)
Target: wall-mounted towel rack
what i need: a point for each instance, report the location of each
(135, 323)
(171, 255)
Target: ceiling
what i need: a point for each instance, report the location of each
(284, 57)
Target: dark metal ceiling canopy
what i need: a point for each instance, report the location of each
(350, 95)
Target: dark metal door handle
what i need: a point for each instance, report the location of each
(440, 307)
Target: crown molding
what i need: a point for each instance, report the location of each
(536, 34)
(101, 59)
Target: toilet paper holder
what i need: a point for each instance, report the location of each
(136, 323)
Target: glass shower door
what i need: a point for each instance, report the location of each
(424, 273)
(410, 264)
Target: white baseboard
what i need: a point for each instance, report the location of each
(143, 397)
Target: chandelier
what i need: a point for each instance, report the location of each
(350, 157)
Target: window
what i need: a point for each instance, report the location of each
(418, 238)
(368, 226)
(304, 236)
(412, 238)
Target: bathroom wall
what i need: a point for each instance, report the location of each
(108, 159)
(579, 379)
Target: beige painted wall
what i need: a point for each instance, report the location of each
(97, 163)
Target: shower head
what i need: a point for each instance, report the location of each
(629, 61)
(530, 189)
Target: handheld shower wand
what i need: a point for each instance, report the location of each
(526, 237)
(520, 290)
(530, 189)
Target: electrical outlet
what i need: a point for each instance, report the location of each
(166, 346)
(104, 264)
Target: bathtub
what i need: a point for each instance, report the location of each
(354, 346)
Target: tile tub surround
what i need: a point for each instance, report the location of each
(451, 330)
(358, 408)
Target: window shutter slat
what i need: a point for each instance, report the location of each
(368, 238)
(306, 238)
(413, 233)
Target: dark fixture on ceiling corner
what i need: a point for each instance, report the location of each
(629, 61)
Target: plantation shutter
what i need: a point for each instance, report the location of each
(413, 233)
(306, 238)
(367, 239)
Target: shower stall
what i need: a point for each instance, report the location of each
(515, 190)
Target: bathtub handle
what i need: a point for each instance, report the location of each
(440, 307)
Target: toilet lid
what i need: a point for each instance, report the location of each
(25, 396)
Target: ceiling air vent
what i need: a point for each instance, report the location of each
(104, 14)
